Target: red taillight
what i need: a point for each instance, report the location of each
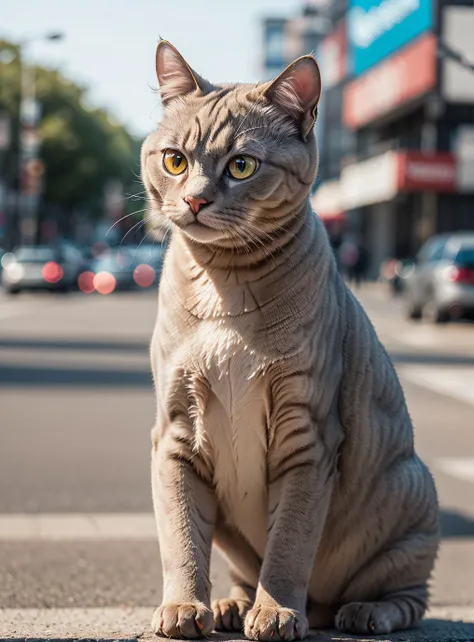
(144, 275)
(465, 276)
(85, 282)
(52, 272)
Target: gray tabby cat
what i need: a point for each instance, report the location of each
(282, 432)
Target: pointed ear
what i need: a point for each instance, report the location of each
(175, 76)
(297, 91)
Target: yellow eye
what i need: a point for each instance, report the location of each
(175, 162)
(242, 167)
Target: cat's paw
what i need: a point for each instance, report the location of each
(183, 620)
(229, 614)
(273, 623)
(363, 617)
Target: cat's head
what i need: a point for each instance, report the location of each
(231, 163)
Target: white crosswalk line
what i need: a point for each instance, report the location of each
(73, 526)
(457, 382)
(459, 467)
(9, 311)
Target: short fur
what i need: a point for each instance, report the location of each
(282, 432)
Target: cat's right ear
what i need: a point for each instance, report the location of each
(297, 91)
(175, 76)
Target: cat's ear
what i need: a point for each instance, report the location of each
(297, 91)
(175, 76)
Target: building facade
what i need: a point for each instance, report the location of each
(406, 163)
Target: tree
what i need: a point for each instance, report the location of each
(83, 148)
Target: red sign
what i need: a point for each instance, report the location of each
(419, 171)
(332, 56)
(392, 83)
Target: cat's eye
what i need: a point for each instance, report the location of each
(242, 167)
(174, 162)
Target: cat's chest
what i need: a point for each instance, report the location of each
(229, 360)
(233, 423)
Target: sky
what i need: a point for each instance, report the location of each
(109, 45)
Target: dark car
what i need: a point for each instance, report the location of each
(442, 281)
(42, 267)
(152, 256)
(114, 270)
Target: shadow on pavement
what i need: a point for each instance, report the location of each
(58, 376)
(454, 524)
(76, 344)
(430, 630)
(432, 359)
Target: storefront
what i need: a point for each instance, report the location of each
(412, 117)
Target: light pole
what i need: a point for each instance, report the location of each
(29, 164)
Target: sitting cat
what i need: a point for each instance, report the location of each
(282, 432)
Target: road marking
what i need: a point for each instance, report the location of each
(459, 467)
(7, 311)
(74, 526)
(455, 382)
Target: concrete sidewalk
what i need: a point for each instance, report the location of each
(443, 624)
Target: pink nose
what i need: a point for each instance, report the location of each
(195, 203)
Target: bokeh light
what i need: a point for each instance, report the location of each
(144, 275)
(85, 282)
(52, 272)
(104, 282)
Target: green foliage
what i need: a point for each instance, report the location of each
(82, 147)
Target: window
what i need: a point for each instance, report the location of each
(274, 45)
(465, 256)
(432, 251)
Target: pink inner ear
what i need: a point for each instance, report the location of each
(306, 84)
(174, 75)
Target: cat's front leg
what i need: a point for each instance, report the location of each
(185, 509)
(299, 496)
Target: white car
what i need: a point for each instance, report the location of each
(442, 281)
(42, 267)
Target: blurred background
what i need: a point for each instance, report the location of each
(81, 257)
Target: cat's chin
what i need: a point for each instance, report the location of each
(202, 233)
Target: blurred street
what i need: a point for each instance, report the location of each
(77, 405)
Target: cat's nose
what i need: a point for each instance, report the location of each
(196, 203)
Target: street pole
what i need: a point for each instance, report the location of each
(30, 167)
(25, 151)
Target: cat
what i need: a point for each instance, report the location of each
(282, 432)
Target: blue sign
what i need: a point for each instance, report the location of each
(378, 28)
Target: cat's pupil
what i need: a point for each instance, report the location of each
(177, 160)
(240, 163)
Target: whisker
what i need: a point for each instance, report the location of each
(138, 225)
(123, 219)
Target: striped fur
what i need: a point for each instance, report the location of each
(282, 432)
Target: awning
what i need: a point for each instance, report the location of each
(381, 178)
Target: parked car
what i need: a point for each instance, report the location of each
(152, 255)
(42, 267)
(442, 281)
(2, 253)
(115, 269)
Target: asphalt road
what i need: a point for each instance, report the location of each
(76, 408)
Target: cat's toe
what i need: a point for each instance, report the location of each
(274, 623)
(183, 620)
(229, 614)
(363, 617)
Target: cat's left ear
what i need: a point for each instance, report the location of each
(175, 76)
(297, 91)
